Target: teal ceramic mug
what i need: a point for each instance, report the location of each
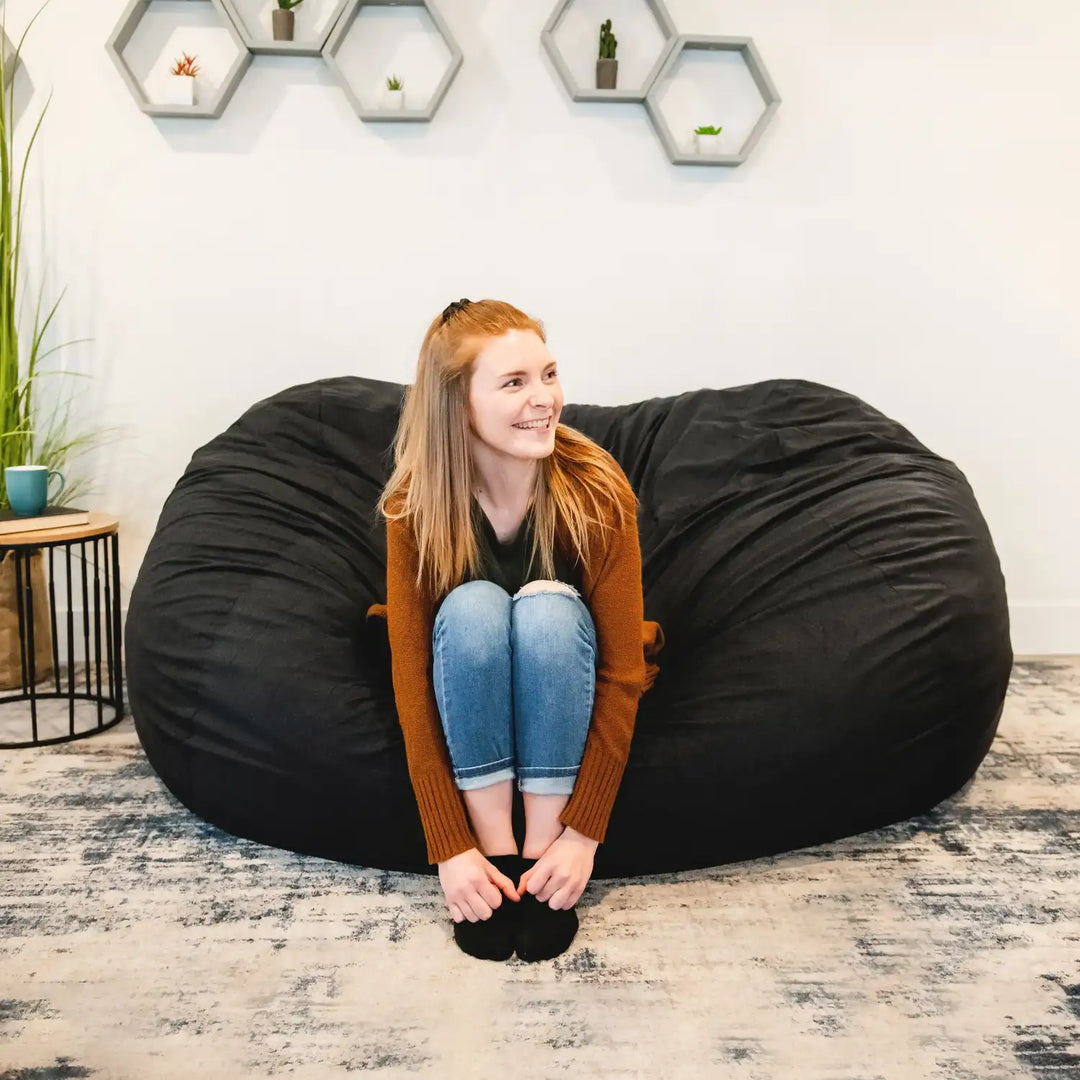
(28, 488)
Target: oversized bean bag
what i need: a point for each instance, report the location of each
(836, 637)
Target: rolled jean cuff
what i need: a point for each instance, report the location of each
(562, 784)
(481, 776)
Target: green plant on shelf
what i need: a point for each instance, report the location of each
(394, 83)
(186, 65)
(707, 129)
(288, 5)
(608, 41)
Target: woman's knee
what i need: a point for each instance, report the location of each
(474, 616)
(550, 616)
(473, 600)
(544, 585)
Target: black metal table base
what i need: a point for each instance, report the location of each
(107, 692)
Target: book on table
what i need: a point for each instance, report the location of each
(52, 517)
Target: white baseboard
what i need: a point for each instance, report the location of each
(1045, 629)
(79, 652)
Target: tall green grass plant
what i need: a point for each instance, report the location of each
(25, 437)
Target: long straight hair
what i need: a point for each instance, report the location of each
(433, 476)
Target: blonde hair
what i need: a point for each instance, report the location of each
(433, 474)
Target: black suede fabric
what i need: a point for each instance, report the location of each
(836, 632)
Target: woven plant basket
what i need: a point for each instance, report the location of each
(10, 650)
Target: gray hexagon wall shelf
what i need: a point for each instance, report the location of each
(259, 38)
(584, 93)
(345, 25)
(745, 47)
(215, 103)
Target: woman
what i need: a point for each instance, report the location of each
(514, 613)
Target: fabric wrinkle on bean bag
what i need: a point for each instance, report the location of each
(835, 628)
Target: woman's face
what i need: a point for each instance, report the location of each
(514, 380)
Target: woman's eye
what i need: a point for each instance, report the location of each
(515, 379)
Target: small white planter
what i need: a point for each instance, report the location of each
(707, 144)
(393, 99)
(179, 90)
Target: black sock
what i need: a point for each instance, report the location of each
(543, 932)
(493, 939)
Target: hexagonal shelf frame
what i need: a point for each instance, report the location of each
(756, 67)
(337, 36)
(212, 109)
(579, 93)
(267, 45)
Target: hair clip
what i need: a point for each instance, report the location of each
(454, 308)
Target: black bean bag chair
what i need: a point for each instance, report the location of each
(836, 633)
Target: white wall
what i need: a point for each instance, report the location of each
(906, 230)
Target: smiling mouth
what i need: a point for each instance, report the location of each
(545, 426)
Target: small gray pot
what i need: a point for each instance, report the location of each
(284, 24)
(606, 72)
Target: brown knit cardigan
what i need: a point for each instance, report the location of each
(627, 645)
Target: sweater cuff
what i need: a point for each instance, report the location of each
(443, 817)
(594, 794)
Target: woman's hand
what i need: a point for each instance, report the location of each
(562, 872)
(471, 885)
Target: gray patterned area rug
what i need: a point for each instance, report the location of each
(138, 942)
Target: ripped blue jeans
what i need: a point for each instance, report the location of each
(514, 679)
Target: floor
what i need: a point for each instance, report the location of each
(138, 942)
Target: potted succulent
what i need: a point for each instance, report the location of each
(607, 67)
(180, 86)
(707, 139)
(284, 19)
(394, 93)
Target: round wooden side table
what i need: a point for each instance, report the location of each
(99, 621)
